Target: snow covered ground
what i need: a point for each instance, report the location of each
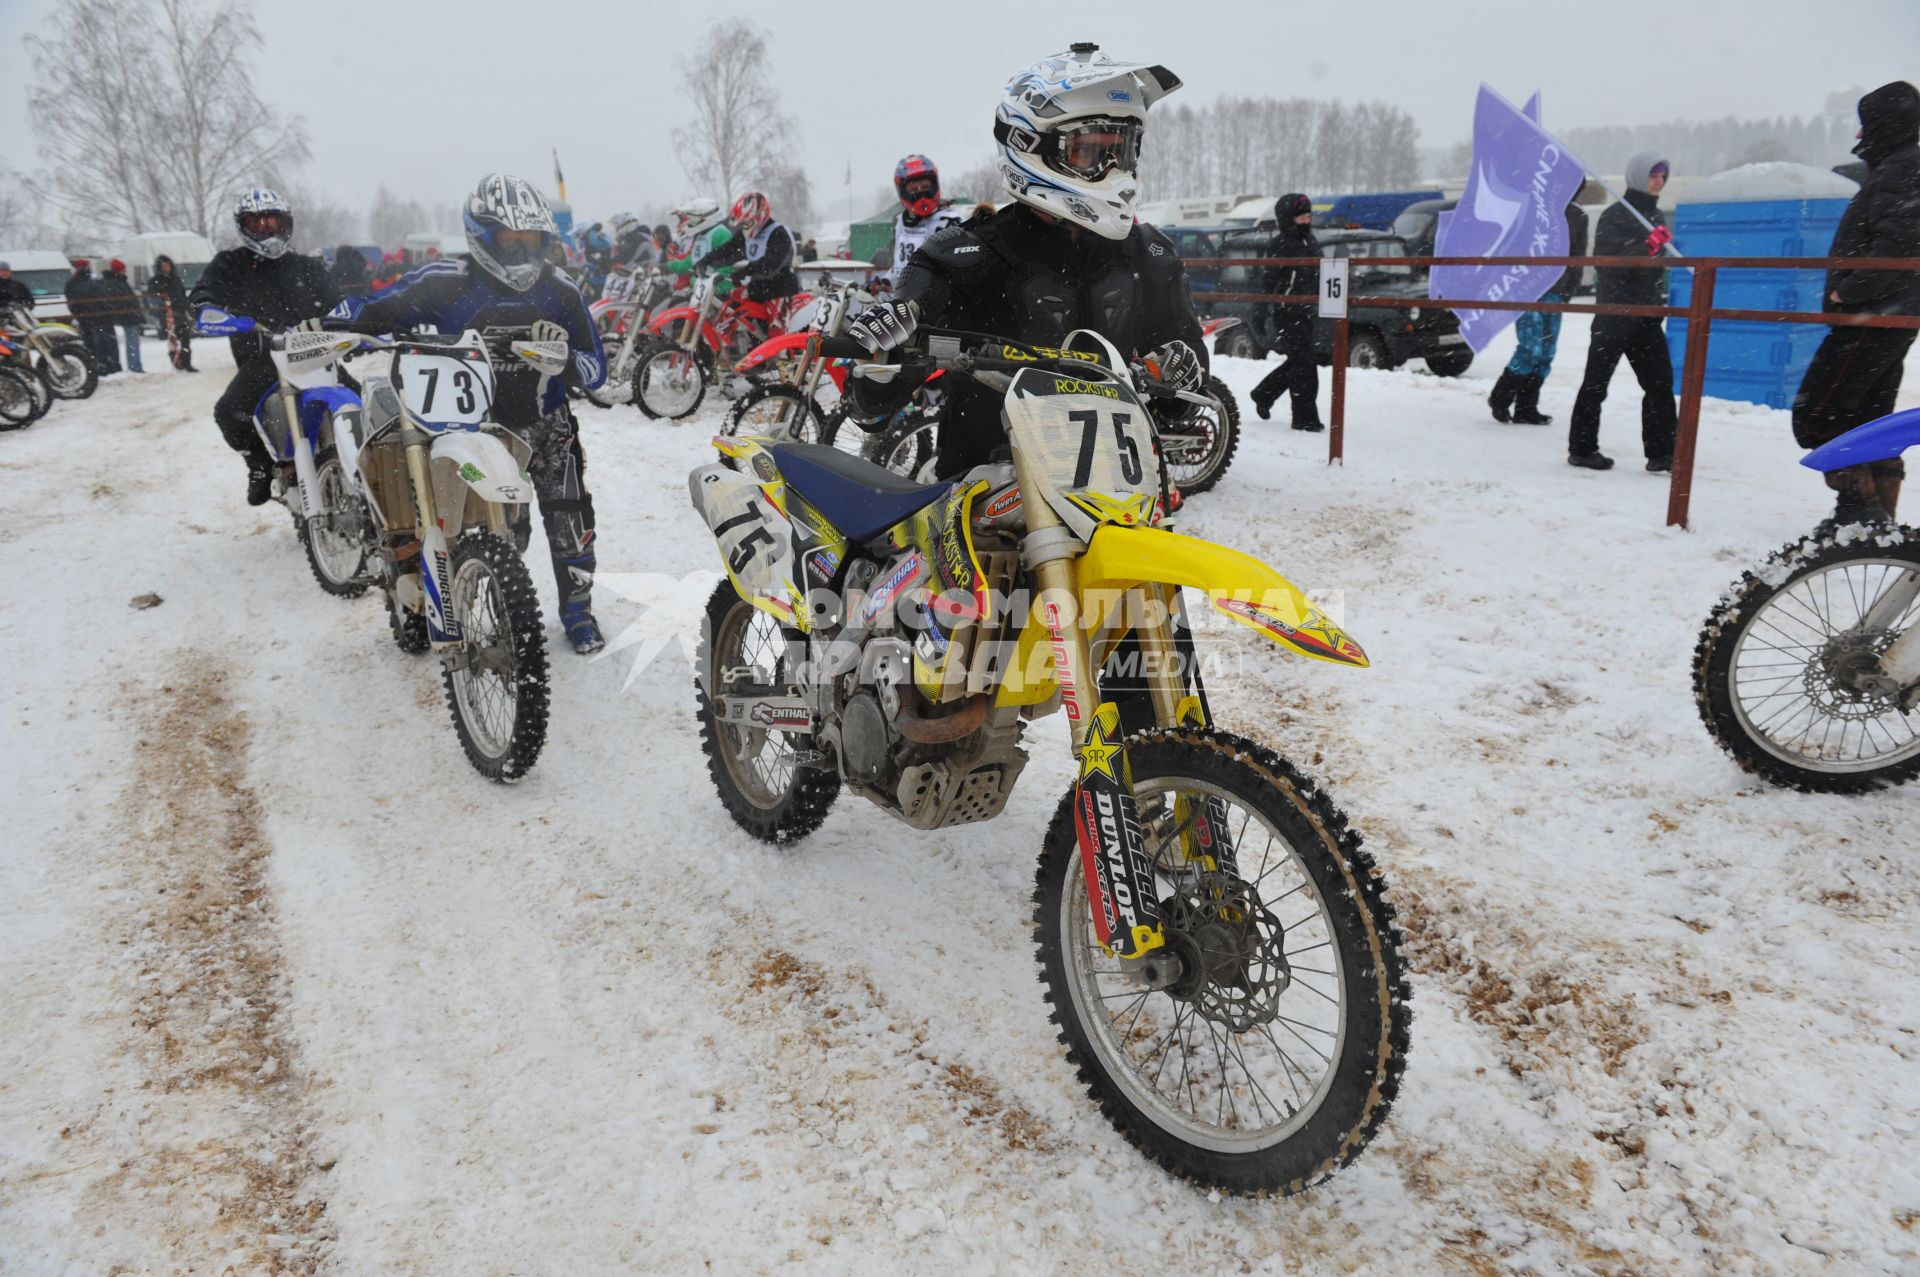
(288, 988)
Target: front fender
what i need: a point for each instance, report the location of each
(1879, 440)
(316, 403)
(772, 348)
(485, 465)
(1238, 585)
(671, 315)
(63, 330)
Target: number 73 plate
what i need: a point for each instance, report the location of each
(1090, 442)
(446, 388)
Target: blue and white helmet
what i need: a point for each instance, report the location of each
(510, 230)
(1069, 130)
(265, 221)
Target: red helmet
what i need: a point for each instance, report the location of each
(917, 182)
(750, 212)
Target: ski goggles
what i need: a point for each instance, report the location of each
(919, 187)
(517, 248)
(1087, 149)
(266, 225)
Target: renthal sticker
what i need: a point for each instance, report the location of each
(772, 715)
(1003, 505)
(1319, 636)
(888, 590)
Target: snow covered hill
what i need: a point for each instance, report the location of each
(288, 988)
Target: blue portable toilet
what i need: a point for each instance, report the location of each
(1751, 361)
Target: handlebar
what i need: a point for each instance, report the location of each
(960, 351)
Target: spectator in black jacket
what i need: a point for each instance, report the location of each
(1516, 395)
(1287, 328)
(169, 296)
(120, 308)
(276, 288)
(1855, 374)
(1641, 339)
(84, 304)
(14, 295)
(350, 273)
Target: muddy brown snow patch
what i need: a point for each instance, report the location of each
(220, 1142)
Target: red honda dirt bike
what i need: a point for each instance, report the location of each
(626, 306)
(689, 346)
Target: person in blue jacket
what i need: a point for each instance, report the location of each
(507, 280)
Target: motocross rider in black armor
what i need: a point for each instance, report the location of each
(1066, 254)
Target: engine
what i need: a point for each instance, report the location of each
(932, 764)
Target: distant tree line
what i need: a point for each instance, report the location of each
(1278, 145)
(1711, 146)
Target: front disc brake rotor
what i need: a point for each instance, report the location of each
(1234, 949)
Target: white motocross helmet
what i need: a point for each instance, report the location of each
(696, 216)
(265, 221)
(509, 230)
(623, 225)
(1069, 129)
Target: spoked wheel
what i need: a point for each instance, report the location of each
(497, 678)
(838, 431)
(768, 788)
(334, 539)
(1787, 674)
(1199, 448)
(778, 411)
(669, 382)
(18, 406)
(906, 447)
(618, 386)
(1261, 1049)
(68, 371)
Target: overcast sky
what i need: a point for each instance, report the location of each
(426, 95)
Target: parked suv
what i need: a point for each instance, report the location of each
(1377, 337)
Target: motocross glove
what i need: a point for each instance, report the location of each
(885, 326)
(548, 330)
(308, 325)
(1174, 366)
(1657, 240)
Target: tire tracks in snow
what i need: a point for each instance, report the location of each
(215, 1147)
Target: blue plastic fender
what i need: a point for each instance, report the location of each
(1876, 441)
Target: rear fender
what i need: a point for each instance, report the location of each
(754, 537)
(1237, 584)
(56, 330)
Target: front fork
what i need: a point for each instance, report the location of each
(436, 564)
(1121, 891)
(304, 471)
(1900, 663)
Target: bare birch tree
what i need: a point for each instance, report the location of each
(147, 116)
(737, 136)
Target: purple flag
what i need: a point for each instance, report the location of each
(1514, 206)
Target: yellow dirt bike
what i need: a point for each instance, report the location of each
(1217, 948)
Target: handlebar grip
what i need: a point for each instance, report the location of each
(844, 348)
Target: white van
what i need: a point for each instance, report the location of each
(46, 273)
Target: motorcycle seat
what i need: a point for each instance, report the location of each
(858, 497)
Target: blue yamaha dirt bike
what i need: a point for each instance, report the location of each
(308, 478)
(1808, 671)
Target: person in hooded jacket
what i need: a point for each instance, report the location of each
(1287, 327)
(250, 293)
(1516, 395)
(1640, 340)
(169, 296)
(120, 308)
(1855, 375)
(14, 295)
(84, 303)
